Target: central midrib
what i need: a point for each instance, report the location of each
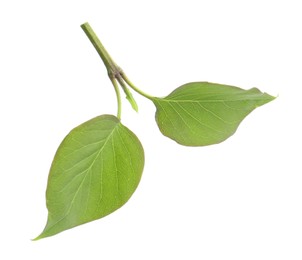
(88, 169)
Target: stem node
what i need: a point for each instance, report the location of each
(115, 73)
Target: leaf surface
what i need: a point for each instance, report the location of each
(95, 171)
(203, 113)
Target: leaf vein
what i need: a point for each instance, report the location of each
(80, 186)
(163, 109)
(215, 115)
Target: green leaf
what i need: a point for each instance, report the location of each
(202, 113)
(95, 171)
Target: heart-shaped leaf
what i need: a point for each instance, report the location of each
(203, 113)
(95, 171)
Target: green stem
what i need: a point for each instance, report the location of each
(118, 97)
(112, 68)
(131, 85)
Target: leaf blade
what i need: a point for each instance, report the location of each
(95, 171)
(203, 113)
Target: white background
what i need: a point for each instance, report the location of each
(237, 200)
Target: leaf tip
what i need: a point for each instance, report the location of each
(41, 236)
(270, 97)
(37, 238)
